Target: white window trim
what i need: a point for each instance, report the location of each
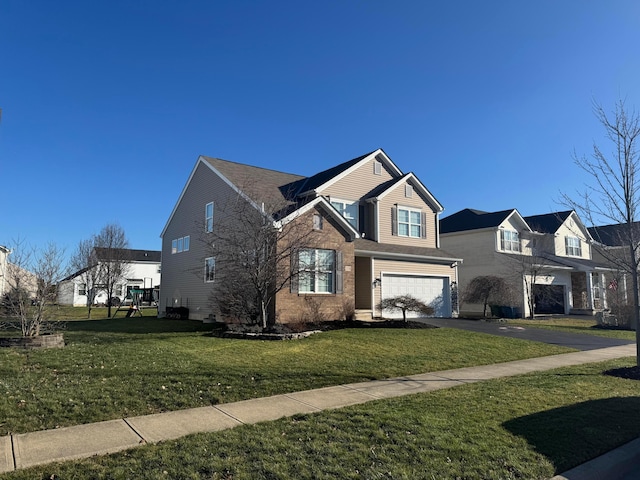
(570, 249)
(317, 269)
(504, 242)
(342, 211)
(409, 224)
(377, 167)
(180, 244)
(208, 220)
(209, 278)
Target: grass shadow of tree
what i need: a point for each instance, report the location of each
(563, 435)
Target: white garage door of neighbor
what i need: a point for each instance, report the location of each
(433, 291)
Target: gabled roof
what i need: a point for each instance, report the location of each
(323, 203)
(548, 222)
(322, 180)
(469, 219)
(389, 186)
(614, 235)
(262, 183)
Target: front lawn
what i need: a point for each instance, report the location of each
(135, 366)
(526, 427)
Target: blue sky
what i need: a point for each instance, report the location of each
(106, 105)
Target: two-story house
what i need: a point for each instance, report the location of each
(546, 259)
(375, 235)
(142, 272)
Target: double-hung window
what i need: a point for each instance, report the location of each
(208, 217)
(409, 222)
(573, 246)
(348, 210)
(509, 241)
(209, 269)
(317, 271)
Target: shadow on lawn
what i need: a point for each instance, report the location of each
(569, 436)
(138, 325)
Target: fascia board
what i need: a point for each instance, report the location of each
(584, 230)
(354, 167)
(520, 219)
(323, 203)
(416, 182)
(222, 177)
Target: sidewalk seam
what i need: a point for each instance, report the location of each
(126, 421)
(13, 453)
(229, 415)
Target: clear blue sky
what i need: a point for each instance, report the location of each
(106, 105)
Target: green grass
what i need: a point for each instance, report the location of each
(575, 325)
(531, 426)
(135, 366)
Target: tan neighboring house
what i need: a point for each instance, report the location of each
(547, 259)
(377, 224)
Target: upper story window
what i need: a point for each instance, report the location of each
(509, 241)
(209, 269)
(410, 223)
(208, 217)
(573, 246)
(181, 244)
(317, 271)
(348, 209)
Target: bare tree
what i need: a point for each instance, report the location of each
(405, 303)
(32, 276)
(486, 289)
(113, 259)
(255, 256)
(613, 196)
(85, 262)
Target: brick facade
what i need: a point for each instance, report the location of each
(293, 307)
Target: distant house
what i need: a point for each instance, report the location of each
(546, 258)
(375, 227)
(4, 253)
(142, 273)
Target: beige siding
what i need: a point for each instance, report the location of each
(396, 197)
(569, 230)
(358, 183)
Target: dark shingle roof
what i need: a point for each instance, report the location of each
(129, 254)
(469, 219)
(613, 235)
(366, 245)
(547, 223)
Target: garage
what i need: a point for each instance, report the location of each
(433, 291)
(548, 299)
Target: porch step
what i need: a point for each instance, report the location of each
(363, 315)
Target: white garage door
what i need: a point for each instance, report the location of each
(433, 291)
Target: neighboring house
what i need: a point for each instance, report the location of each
(377, 224)
(611, 246)
(142, 273)
(546, 258)
(4, 253)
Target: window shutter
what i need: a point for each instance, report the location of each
(502, 240)
(339, 274)
(361, 214)
(566, 245)
(293, 280)
(423, 226)
(394, 220)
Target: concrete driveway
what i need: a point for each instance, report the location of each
(554, 337)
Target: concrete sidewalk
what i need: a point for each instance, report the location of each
(82, 441)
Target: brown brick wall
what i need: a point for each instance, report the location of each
(299, 307)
